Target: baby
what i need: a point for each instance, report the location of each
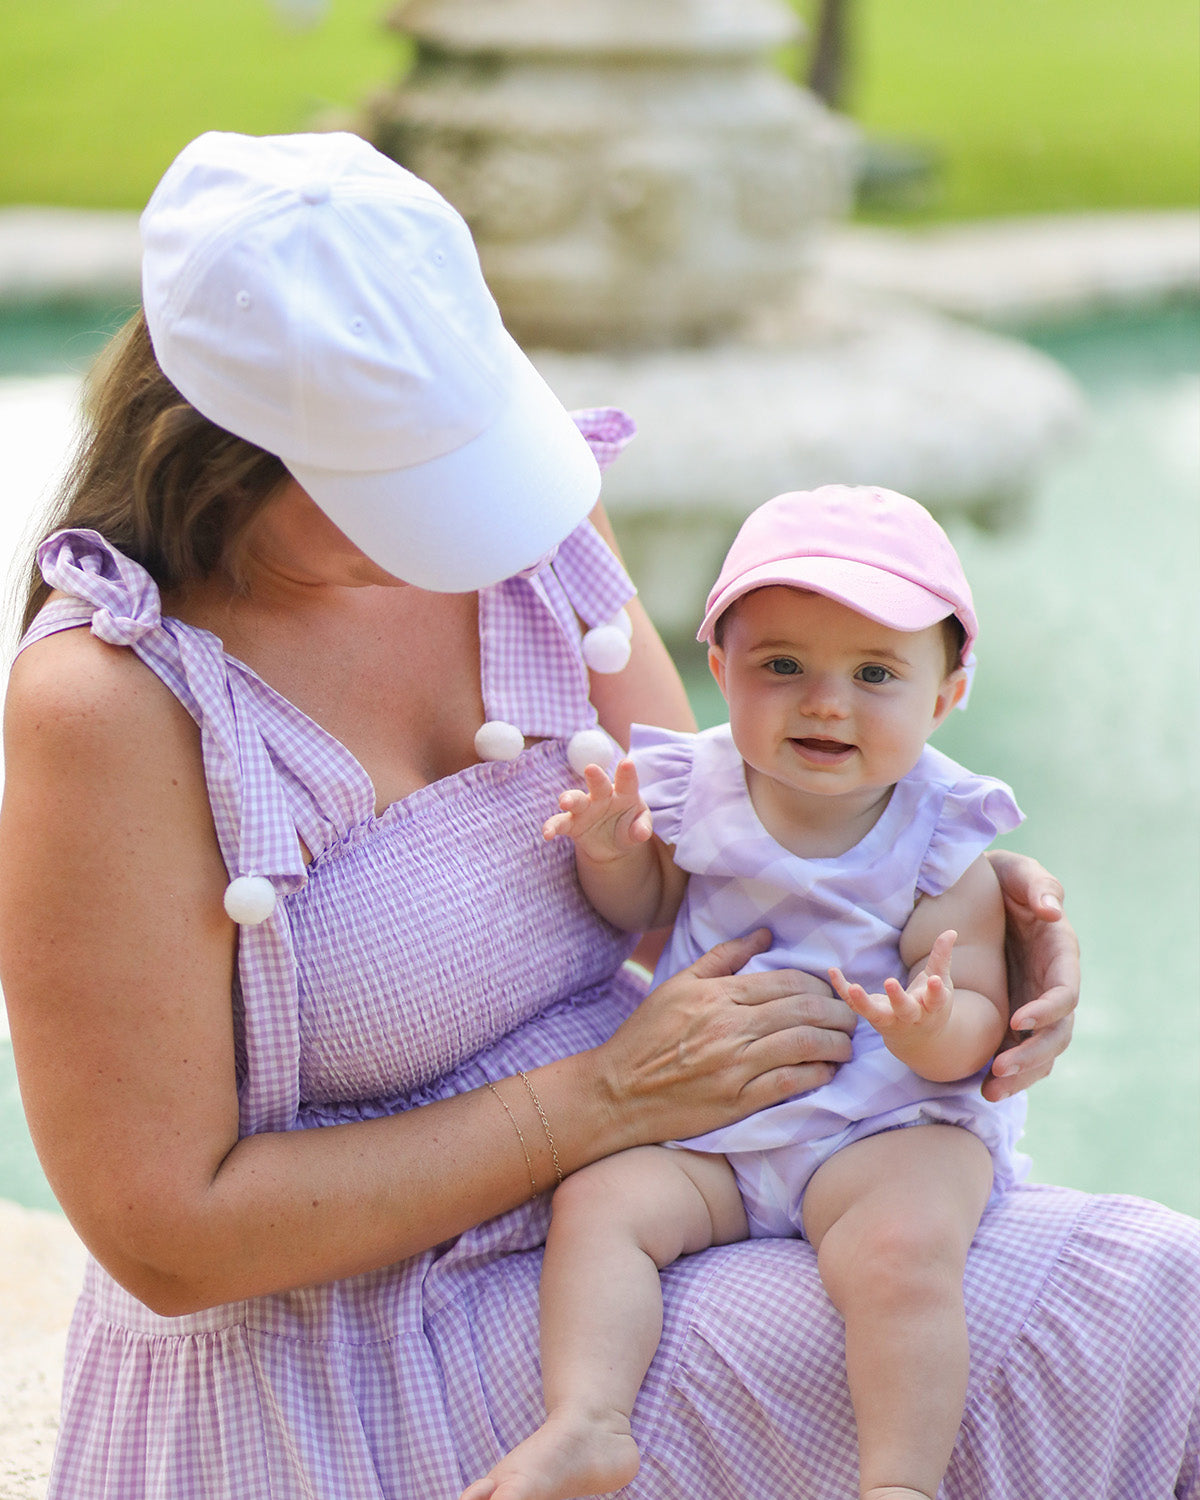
(840, 633)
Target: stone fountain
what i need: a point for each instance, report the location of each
(649, 193)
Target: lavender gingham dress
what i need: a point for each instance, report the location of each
(850, 910)
(443, 944)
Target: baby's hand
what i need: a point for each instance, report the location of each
(901, 1015)
(606, 820)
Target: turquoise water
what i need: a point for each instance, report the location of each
(1087, 701)
(44, 338)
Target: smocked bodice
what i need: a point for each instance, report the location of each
(399, 978)
(373, 975)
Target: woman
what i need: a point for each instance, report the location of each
(314, 1212)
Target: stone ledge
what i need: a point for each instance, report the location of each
(57, 253)
(1027, 269)
(1005, 270)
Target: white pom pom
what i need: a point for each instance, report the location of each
(250, 899)
(623, 623)
(498, 740)
(589, 747)
(606, 648)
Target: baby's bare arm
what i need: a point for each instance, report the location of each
(945, 1028)
(626, 871)
(973, 908)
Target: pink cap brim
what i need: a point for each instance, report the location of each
(891, 600)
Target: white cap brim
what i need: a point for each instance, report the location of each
(479, 514)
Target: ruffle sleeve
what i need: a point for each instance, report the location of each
(975, 810)
(664, 759)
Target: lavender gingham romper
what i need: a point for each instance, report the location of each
(848, 909)
(441, 944)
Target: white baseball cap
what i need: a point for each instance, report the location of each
(310, 295)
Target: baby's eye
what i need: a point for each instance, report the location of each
(874, 674)
(783, 666)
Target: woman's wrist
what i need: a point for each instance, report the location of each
(583, 1115)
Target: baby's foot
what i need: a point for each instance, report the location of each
(572, 1453)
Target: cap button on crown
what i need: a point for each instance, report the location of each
(315, 192)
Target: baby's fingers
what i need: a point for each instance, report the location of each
(936, 995)
(573, 803)
(859, 1001)
(642, 827)
(842, 986)
(938, 962)
(598, 784)
(905, 1007)
(625, 780)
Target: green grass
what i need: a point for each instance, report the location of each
(1033, 104)
(1038, 105)
(97, 96)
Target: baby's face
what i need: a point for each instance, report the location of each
(824, 701)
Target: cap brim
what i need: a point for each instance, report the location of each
(881, 596)
(479, 514)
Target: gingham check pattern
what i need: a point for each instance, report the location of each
(406, 1383)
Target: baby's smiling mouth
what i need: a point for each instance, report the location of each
(817, 747)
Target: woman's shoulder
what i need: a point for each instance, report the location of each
(98, 753)
(79, 696)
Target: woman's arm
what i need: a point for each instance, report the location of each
(649, 690)
(1043, 974)
(117, 960)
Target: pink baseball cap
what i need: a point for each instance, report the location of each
(875, 551)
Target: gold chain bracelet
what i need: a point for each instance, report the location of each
(520, 1137)
(537, 1104)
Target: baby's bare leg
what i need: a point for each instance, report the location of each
(892, 1218)
(615, 1225)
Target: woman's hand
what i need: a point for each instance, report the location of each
(1043, 974)
(712, 1045)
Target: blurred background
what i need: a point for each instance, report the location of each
(1031, 107)
(993, 301)
(1027, 107)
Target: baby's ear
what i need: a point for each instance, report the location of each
(716, 665)
(950, 694)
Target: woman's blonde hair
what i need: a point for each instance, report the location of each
(159, 481)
